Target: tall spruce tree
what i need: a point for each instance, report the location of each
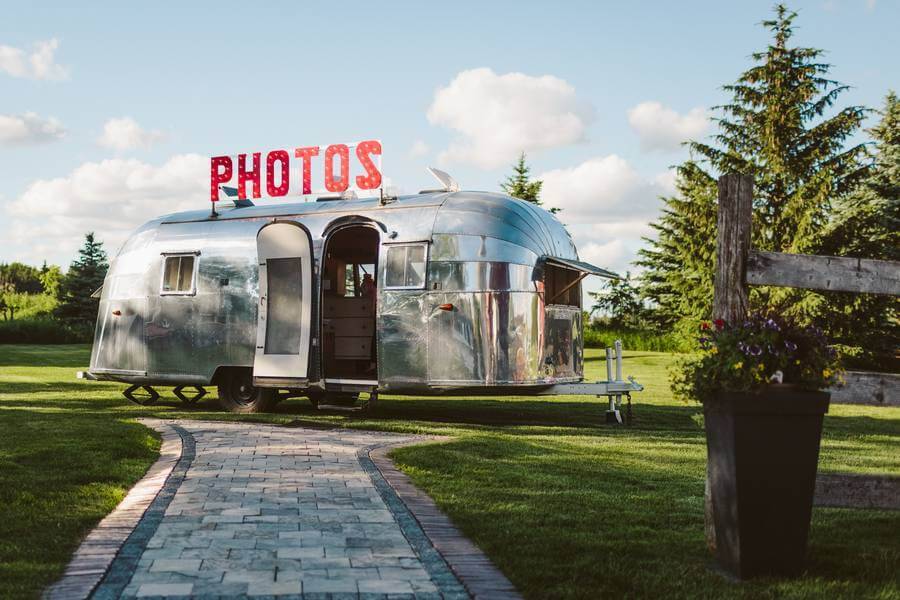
(519, 184)
(76, 306)
(866, 224)
(775, 129)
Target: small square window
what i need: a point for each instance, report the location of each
(178, 274)
(405, 267)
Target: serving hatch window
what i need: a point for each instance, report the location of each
(178, 274)
(405, 266)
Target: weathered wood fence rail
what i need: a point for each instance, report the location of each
(827, 273)
(739, 266)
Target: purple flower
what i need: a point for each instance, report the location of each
(755, 350)
(791, 346)
(771, 324)
(704, 342)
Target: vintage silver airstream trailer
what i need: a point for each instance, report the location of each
(435, 293)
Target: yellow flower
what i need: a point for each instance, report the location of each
(760, 367)
(738, 365)
(713, 350)
(826, 373)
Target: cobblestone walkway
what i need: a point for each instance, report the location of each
(260, 510)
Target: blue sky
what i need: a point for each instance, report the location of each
(606, 89)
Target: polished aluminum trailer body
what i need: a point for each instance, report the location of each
(486, 256)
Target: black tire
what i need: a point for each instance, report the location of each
(237, 393)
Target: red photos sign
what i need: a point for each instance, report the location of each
(294, 172)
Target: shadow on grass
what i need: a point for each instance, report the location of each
(634, 506)
(852, 425)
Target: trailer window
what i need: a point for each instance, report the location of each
(405, 267)
(178, 274)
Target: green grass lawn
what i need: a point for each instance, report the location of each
(567, 506)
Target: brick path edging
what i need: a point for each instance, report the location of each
(97, 551)
(471, 566)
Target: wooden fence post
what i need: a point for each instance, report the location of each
(730, 294)
(730, 297)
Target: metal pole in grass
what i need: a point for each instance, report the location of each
(612, 415)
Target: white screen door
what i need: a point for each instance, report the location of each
(285, 284)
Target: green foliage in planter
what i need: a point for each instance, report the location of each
(744, 357)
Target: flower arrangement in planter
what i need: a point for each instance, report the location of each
(760, 382)
(748, 356)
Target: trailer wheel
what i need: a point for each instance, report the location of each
(238, 394)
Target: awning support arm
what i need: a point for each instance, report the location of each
(568, 287)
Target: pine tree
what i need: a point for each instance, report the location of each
(86, 273)
(620, 301)
(678, 278)
(866, 224)
(519, 184)
(774, 129)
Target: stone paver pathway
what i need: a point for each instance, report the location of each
(260, 510)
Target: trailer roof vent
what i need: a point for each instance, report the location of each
(449, 184)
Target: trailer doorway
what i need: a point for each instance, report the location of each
(349, 291)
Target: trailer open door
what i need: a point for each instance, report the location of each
(285, 305)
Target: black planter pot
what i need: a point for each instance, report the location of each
(763, 451)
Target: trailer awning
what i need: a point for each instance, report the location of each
(582, 267)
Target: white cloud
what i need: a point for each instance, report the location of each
(612, 254)
(607, 207)
(665, 181)
(499, 116)
(111, 198)
(600, 189)
(661, 128)
(126, 134)
(419, 149)
(29, 128)
(38, 64)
